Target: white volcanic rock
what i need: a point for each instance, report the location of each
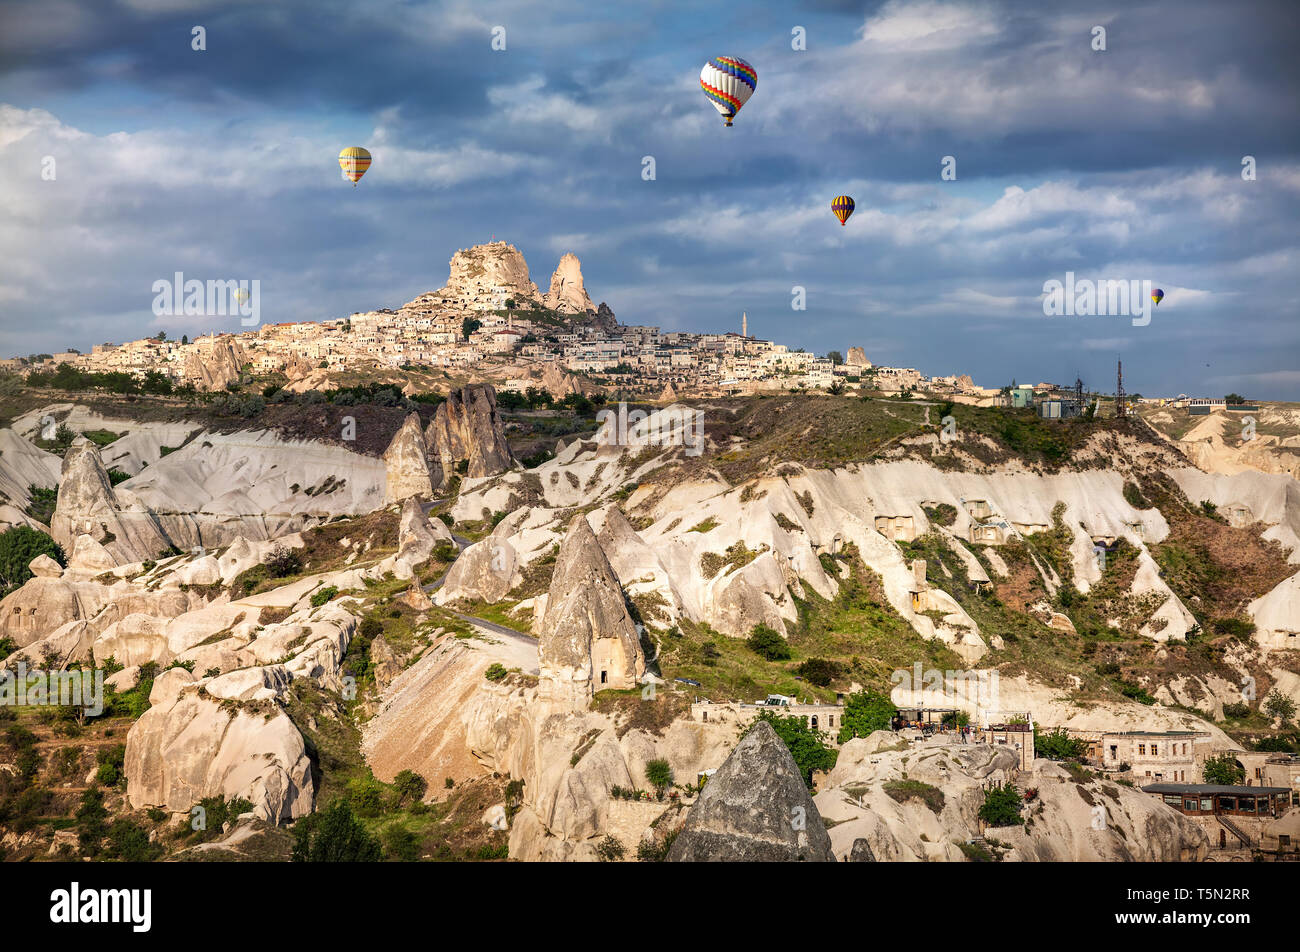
(406, 463)
(45, 567)
(587, 640)
(190, 746)
(254, 484)
(755, 808)
(89, 557)
(418, 535)
(467, 427)
(88, 504)
(1273, 499)
(483, 277)
(134, 640)
(1277, 615)
(857, 358)
(567, 292)
(1067, 821)
(486, 570)
(22, 465)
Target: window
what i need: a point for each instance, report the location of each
(1189, 804)
(1153, 750)
(1142, 750)
(603, 677)
(1207, 804)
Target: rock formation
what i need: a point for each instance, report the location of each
(88, 504)
(567, 293)
(406, 463)
(467, 427)
(857, 358)
(755, 808)
(418, 535)
(486, 571)
(483, 277)
(558, 383)
(190, 745)
(587, 640)
(215, 363)
(1090, 821)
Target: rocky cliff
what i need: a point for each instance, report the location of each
(755, 808)
(215, 363)
(88, 504)
(587, 640)
(567, 293)
(406, 464)
(467, 428)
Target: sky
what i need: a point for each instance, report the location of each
(128, 155)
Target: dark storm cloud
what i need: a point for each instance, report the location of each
(1120, 164)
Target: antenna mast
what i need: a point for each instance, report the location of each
(1120, 411)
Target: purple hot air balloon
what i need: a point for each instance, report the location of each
(1157, 295)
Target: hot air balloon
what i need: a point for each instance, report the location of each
(843, 207)
(1157, 295)
(728, 81)
(354, 161)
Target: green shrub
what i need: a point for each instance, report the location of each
(410, 786)
(610, 850)
(658, 774)
(805, 744)
(1001, 806)
(1059, 745)
(768, 643)
(400, 844)
(495, 672)
(323, 595)
(334, 836)
(820, 671)
(865, 712)
(18, 546)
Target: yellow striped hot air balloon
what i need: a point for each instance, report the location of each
(354, 161)
(843, 207)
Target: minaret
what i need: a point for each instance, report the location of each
(744, 324)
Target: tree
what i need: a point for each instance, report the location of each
(162, 335)
(334, 836)
(805, 744)
(610, 850)
(1001, 806)
(768, 643)
(1059, 745)
(659, 775)
(410, 786)
(1280, 706)
(1225, 770)
(1233, 399)
(468, 326)
(835, 357)
(18, 546)
(864, 713)
(820, 671)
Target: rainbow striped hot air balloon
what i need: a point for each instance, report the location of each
(1157, 295)
(354, 161)
(843, 207)
(728, 81)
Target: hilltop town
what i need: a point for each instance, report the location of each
(491, 321)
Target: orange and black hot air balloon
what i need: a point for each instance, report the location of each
(843, 207)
